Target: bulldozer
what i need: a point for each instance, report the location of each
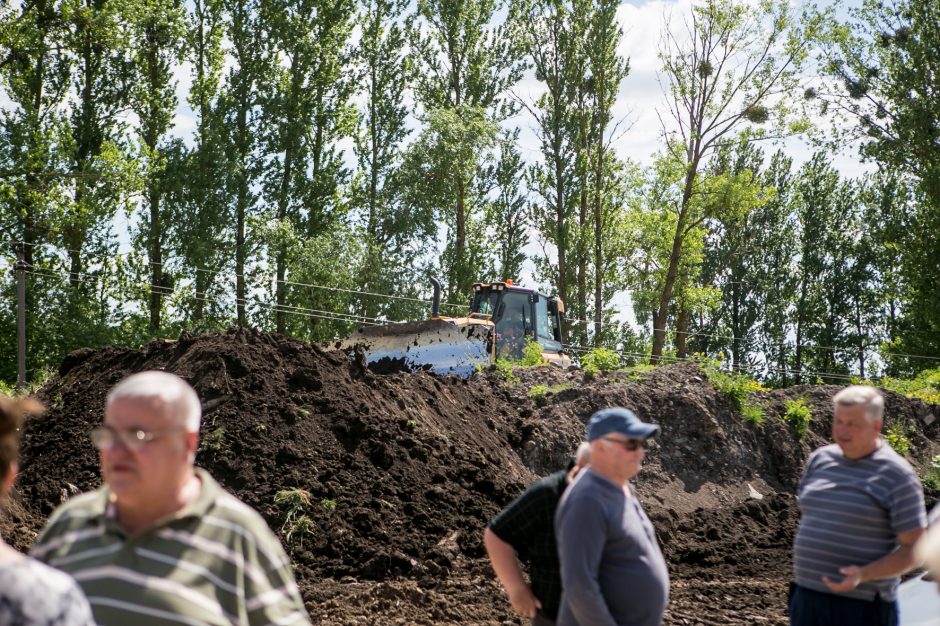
(502, 317)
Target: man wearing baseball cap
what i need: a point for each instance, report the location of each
(612, 570)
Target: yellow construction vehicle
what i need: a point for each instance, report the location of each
(501, 318)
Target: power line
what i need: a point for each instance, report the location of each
(731, 338)
(237, 275)
(361, 319)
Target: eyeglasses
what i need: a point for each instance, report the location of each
(630, 445)
(104, 437)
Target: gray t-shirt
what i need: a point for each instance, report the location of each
(34, 594)
(612, 570)
(852, 512)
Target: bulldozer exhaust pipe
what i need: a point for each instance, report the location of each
(436, 302)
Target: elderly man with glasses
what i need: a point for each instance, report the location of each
(612, 570)
(161, 542)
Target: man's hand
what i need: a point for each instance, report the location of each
(853, 578)
(523, 602)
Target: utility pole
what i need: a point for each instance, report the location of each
(20, 269)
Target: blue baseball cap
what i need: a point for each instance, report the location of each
(619, 420)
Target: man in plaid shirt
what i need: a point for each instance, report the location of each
(525, 530)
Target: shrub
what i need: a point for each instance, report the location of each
(896, 436)
(932, 478)
(737, 387)
(753, 413)
(925, 386)
(532, 353)
(798, 415)
(600, 360)
(505, 369)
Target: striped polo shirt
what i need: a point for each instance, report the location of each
(214, 562)
(852, 512)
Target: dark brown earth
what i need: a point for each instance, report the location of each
(404, 470)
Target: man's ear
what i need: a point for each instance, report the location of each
(192, 443)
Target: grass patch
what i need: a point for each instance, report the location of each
(213, 440)
(737, 387)
(541, 392)
(798, 415)
(297, 524)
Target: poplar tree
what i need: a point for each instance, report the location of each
(238, 109)
(201, 218)
(156, 43)
(35, 71)
(547, 37)
(466, 63)
(393, 229)
(306, 104)
(98, 152)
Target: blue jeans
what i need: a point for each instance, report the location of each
(815, 608)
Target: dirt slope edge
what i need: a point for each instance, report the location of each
(403, 470)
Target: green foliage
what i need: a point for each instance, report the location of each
(932, 477)
(329, 504)
(896, 436)
(798, 415)
(753, 413)
(600, 360)
(531, 353)
(925, 386)
(505, 369)
(738, 388)
(297, 524)
(213, 440)
(884, 59)
(541, 392)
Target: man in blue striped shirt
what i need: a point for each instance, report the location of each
(862, 510)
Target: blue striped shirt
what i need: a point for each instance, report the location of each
(852, 512)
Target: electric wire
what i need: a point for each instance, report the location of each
(166, 290)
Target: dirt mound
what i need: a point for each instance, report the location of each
(399, 473)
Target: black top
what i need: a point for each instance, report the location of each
(528, 525)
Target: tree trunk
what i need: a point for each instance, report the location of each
(156, 256)
(598, 205)
(675, 256)
(682, 327)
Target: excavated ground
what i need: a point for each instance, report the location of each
(404, 470)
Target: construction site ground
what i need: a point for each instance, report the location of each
(403, 470)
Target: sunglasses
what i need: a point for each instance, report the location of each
(630, 445)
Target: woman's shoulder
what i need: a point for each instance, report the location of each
(32, 593)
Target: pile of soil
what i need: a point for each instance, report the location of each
(398, 473)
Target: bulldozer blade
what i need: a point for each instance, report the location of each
(441, 346)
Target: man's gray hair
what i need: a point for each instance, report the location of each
(176, 394)
(583, 455)
(869, 397)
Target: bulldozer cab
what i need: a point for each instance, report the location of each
(517, 314)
